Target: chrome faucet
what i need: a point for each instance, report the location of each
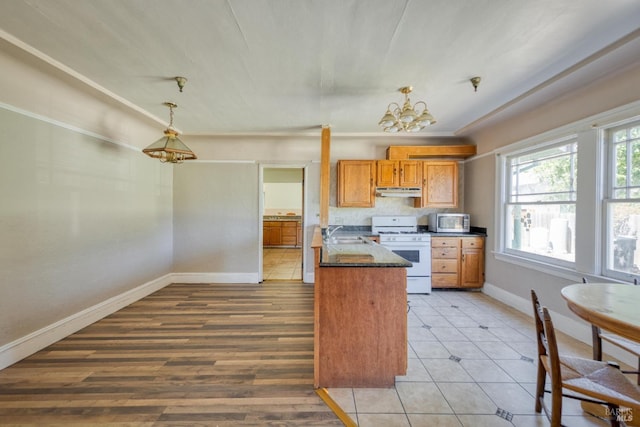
(329, 233)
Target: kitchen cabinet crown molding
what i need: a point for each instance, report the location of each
(417, 152)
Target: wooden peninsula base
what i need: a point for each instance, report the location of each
(361, 326)
(360, 323)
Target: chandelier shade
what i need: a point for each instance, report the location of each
(169, 148)
(406, 118)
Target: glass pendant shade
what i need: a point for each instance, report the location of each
(425, 119)
(407, 115)
(170, 149)
(387, 120)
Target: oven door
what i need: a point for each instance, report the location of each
(417, 253)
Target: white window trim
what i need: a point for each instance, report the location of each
(588, 262)
(608, 199)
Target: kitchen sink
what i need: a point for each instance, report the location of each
(347, 240)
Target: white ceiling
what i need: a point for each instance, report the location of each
(272, 66)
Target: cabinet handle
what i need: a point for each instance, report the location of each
(462, 257)
(395, 171)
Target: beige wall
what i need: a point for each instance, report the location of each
(84, 216)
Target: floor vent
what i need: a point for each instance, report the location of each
(426, 326)
(483, 327)
(504, 414)
(455, 358)
(526, 359)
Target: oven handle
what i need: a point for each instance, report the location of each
(410, 244)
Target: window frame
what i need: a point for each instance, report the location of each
(591, 188)
(609, 199)
(506, 195)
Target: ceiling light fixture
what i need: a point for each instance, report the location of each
(406, 118)
(169, 148)
(181, 82)
(475, 81)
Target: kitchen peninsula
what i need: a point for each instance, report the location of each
(360, 314)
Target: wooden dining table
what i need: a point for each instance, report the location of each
(614, 307)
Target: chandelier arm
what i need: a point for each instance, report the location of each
(420, 102)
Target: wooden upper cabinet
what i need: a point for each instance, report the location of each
(356, 183)
(399, 173)
(388, 173)
(439, 184)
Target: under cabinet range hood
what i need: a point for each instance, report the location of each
(398, 192)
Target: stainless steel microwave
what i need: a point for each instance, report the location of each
(449, 223)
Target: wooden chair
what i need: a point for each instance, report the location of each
(597, 335)
(594, 381)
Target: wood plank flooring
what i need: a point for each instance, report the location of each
(187, 355)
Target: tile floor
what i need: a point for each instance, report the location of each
(471, 363)
(282, 263)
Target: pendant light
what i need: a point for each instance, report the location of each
(169, 148)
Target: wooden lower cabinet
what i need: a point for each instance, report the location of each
(281, 233)
(289, 233)
(457, 262)
(271, 233)
(472, 262)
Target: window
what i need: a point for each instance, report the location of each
(540, 202)
(622, 213)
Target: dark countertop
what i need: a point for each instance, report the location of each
(281, 218)
(368, 254)
(365, 230)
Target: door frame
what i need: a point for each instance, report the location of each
(305, 194)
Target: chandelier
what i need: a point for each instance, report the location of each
(406, 118)
(169, 148)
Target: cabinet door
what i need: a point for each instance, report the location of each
(439, 185)
(289, 233)
(410, 173)
(356, 180)
(271, 233)
(387, 175)
(472, 262)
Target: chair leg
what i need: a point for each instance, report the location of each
(597, 343)
(556, 406)
(540, 384)
(613, 415)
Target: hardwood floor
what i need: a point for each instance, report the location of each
(187, 355)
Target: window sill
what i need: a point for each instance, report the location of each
(544, 267)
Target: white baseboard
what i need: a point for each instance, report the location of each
(215, 278)
(25, 346)
(577, 329)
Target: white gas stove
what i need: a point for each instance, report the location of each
(400, 235)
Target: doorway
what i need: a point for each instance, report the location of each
(282, 214)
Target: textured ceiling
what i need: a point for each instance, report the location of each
(272, 66)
